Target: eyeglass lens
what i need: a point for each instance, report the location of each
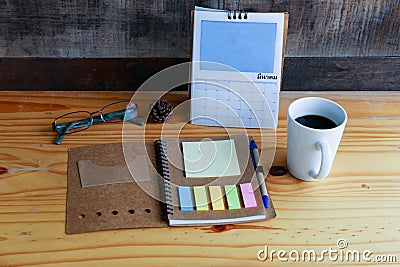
(75, 122)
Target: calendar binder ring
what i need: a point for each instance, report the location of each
(235, 14)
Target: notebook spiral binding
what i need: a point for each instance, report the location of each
(162, 165)
(237, 14)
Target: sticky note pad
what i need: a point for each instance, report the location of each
(249, 199)
(232, 197)
(217, 200)
(185, 198)
(200, 197)
(209, 158)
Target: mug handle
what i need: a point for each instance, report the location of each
(326, 156)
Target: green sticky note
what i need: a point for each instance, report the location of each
(232, 197)
(210, 158)
(200, 197)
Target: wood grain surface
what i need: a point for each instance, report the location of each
(359, 201)
(126, 28)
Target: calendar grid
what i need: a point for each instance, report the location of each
(235, 103)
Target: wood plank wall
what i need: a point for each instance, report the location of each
(331, 44)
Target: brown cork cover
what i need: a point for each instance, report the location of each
(111, 206)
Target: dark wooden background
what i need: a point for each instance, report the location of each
(118, 44)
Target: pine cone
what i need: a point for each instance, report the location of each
(161, 110)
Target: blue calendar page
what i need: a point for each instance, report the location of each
(235, 45)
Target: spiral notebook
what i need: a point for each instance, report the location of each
(108, 189)
(237, 62)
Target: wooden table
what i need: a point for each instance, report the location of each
(359, 202)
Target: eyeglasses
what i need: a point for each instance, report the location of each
(81, 120)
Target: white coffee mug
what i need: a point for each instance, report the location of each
(312, 143)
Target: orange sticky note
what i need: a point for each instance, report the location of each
(216, 198)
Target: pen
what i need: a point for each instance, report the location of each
(259, 171)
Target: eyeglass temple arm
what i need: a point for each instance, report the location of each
(125, 114)
(61, 136)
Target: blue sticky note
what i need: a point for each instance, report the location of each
(185, 198)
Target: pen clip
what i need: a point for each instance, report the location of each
(253, 146)
(252, 158)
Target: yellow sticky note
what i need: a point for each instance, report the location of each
(200, 197)
(216, 198)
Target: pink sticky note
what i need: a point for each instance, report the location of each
(249, 199)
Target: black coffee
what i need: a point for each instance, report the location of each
(316, 122)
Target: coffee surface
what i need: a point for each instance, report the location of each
(316, 122)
